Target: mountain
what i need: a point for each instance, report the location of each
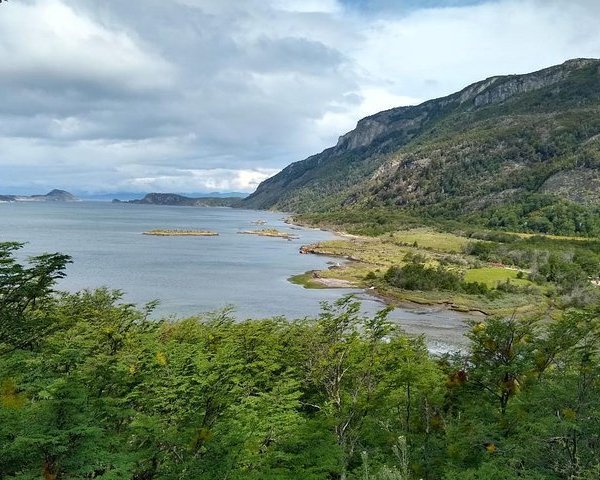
(509, 151)
(107, 197)
(126, 196)
(183, 201)
(55, 196)
(52, 196)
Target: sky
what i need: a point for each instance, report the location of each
(217, 95)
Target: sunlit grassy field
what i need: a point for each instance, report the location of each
(492, 276)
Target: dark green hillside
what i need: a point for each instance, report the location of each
(515, 152)
(174, 199)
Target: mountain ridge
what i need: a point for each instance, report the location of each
(485, 146)
(174, 199)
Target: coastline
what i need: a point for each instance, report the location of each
(367, 276)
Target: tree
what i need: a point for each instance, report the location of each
(24, 291)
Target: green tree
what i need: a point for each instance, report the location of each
(25, 292)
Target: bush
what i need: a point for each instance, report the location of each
(475, 288)
(482, 250)
(416, 276)
(370, 276)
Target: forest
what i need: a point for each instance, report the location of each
(95, 388)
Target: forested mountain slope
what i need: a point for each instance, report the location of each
(517, 151)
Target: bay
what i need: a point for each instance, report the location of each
(192, 275)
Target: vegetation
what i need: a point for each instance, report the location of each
(514, 153)
(174, 199)
(92, 388)
(270, 232)
(492, 272)
(417, 276)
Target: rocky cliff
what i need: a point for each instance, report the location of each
(491, 142)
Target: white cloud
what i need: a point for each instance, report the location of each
(457, 46)
(372, 100)
(211, 94)
(211, 180)
(48, 41)
(308, 6)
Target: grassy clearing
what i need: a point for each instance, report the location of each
(377, 252)
(306, 280)
(505, 305)
(428, 239)
(492, 276)
(551, 237)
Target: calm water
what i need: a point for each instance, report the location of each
(191, 275)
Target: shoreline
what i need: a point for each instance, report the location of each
(357, 273)
(371, 291)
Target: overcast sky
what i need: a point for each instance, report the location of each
(217, 95)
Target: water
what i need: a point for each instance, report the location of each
(191, 275)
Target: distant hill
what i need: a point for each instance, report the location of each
(515, 152)
(181, 200)
(126, 196)
(52, 196)
(107, 197)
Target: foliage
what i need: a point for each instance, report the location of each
(416, 276)
(105, 392)
(526, 159)
(23, 292)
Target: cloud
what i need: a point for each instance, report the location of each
(437, 51)
(208, 180)
(49, 46)
(190, 95)
(308, 6)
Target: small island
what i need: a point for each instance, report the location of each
(269, 232)
(181, 233)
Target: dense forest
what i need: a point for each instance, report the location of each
(91, 387)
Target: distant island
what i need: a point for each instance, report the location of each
(269, 232)
(181, 233)
(52, 196)
(174, 199)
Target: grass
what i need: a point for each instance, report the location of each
(428, 239)
(551, 237)
(507, 304)
(306, 280)
(492, 276)
(378, 251)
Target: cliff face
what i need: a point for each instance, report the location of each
(482, 135)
